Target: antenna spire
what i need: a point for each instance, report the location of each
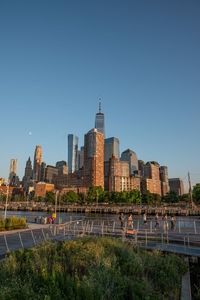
(99, 104)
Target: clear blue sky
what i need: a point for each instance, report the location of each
(141, 57)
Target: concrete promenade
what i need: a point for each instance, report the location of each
(185, 242)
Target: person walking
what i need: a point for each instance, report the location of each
(145, 218)
(165, 223)
(173, 218)
(157, 221)
(122, 217)
(130, 221)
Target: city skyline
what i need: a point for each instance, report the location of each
(144, 65)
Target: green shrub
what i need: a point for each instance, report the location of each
(90, 268)
(12, 223)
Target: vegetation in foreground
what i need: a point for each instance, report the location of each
(12, 223)
(90, 268)
(195, 280)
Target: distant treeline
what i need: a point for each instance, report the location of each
(98, 195)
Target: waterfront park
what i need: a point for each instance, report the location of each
(87, 253)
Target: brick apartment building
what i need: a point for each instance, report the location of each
(176, 185)
(117, 176)
(41, 188)
(94, 159)
(151, 178)
(12, 191)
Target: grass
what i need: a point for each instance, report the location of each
(90, 268)
(12, 223)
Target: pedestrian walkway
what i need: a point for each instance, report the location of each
(186, 243)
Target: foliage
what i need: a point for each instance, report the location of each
(90, 268)
(50, 197)
(70, 196)
(147, 197)
(185, 198)
(12, 223)
(196, 193)
(171, 197)
(95, 193)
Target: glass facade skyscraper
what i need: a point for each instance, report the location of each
(131, 157)
(100, 120)
(111, 148)
(72, 153)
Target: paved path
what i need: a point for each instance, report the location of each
(178, 242)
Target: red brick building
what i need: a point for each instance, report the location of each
(72, 180)
(153, 186)
(94, 159)
(12, 190)
(41, 188)
(151, 178)
(117, 176)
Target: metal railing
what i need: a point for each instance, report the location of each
(145, 236)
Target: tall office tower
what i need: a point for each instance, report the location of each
(72, 153)
(100, 120)
(94, 158)
(80, 159)
(164, 180)
(42, 171)
(13, 169)
(140, 167)
(37, 163)
(111, 148)
(151, 170)
(50, 173)
(28, 169)
(176, 185)
(131, 157)
(28, 174)
(62, 167)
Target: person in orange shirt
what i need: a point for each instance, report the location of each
(130, 220)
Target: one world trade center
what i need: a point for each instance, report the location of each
(100, 120)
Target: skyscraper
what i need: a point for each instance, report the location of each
(100, 120)
(28, 174)
(62, 167)
(131, 157)
(72, 153)
(42, 171)
(176, 185)
(13, 169)
(37, 163)
(164, 180)
(81, 158)
(94, 158)
(111, 148)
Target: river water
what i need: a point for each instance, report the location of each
(181, 221)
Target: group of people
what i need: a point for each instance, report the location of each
(129, 221)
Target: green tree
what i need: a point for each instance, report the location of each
(95, 194)
(115, 197)
(70, 196)
(171, 197)
(196, 193)
(156, 198)
(184, 198)
(134, 197)
(147, 197)
(50, 197)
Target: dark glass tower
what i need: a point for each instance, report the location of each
(100, 120)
